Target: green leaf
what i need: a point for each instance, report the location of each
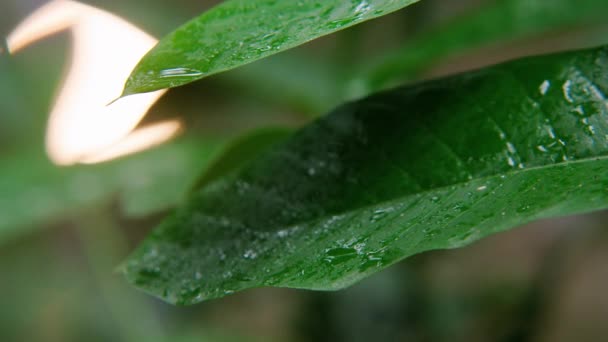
(504, 20)
(238, 32)
(436, 165)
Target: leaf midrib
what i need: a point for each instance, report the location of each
(445, 187)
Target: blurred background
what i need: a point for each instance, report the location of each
(63, 230)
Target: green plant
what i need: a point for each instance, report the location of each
(432, 165)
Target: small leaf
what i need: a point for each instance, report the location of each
(238, 32)
(436, 165)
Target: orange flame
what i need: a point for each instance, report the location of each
(82, 127)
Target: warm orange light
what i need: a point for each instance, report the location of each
(82, 127)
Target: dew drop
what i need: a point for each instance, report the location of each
(180, 72)
(566, 89)
(379, 214)
(550, 131)
(511, 161)
(544, 87)
(250, 254)
(362, 8)
(511, 147)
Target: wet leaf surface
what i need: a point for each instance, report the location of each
(430, 166)
(238, 32)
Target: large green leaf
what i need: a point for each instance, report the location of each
(436, 165)
(498, 21)
(238, 32)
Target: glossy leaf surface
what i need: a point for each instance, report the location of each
(238, 32)
(430, 166)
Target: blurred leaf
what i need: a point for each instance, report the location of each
(312, 86)
(10, 101)
(35, 192)
(238, 32)
(498, 21)
(175, 171)
(436, 165)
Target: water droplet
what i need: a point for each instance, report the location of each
(379, 214)
(180, 72)
(544, 87)
(550, 131)
(362, 8)
(511, 162)
(511, 147)
(542, 148)
(339, 254)
(359, 247)
(482, 188)
(566, 89)
(464, 238)
(250, 254)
